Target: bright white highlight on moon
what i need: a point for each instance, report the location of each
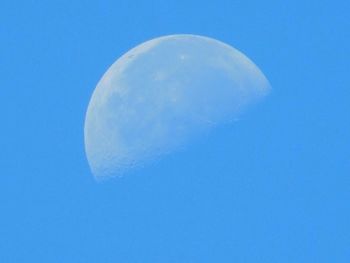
(161, 94)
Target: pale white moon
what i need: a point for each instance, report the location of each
(162, 93)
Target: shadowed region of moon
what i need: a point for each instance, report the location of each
(161, 94)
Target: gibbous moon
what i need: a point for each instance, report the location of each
(162, 93)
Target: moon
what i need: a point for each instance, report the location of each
(163, 93)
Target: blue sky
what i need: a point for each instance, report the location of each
(273, 187)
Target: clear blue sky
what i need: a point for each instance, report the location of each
(273, 187)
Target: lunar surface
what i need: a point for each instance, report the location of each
(163, 93)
